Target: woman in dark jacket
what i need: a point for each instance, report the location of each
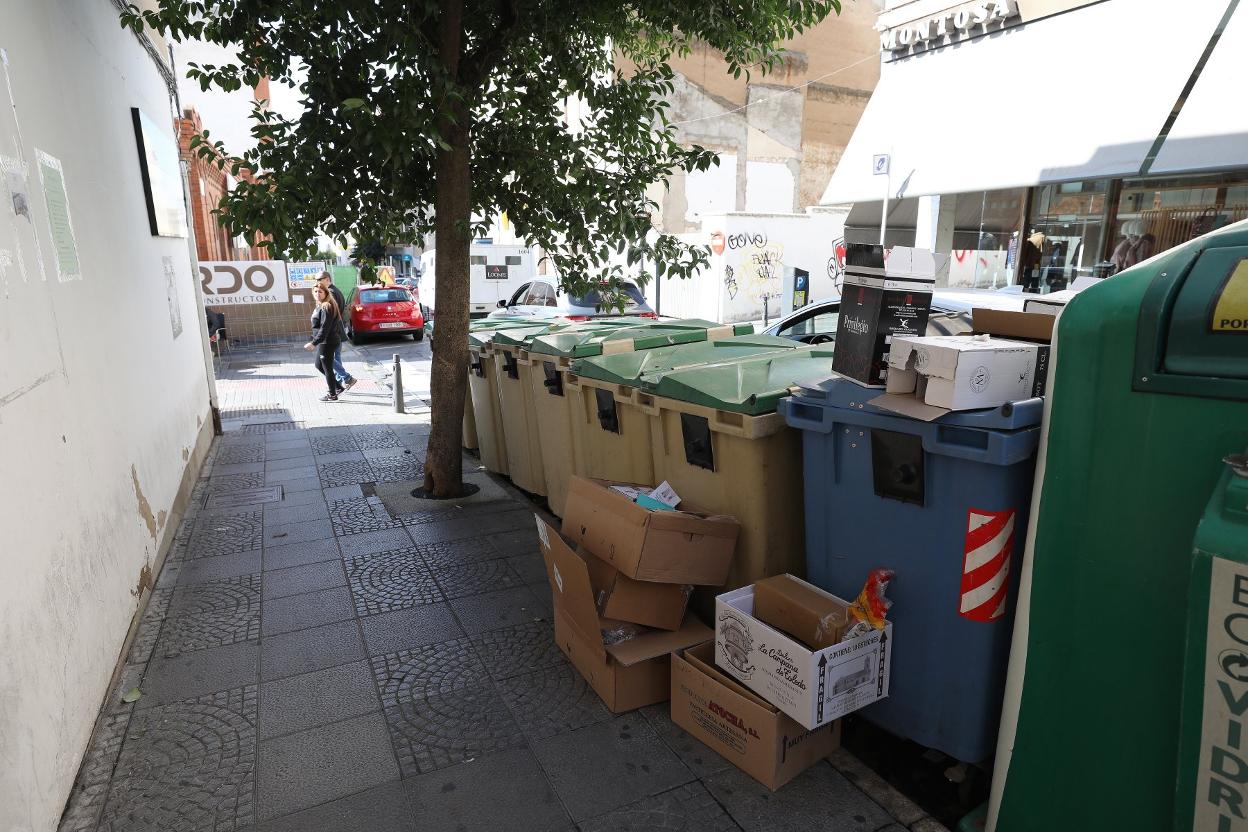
(326, 337)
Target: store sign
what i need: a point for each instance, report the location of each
(495, 272)
(304, 275)
(952, 26)
(236, 282)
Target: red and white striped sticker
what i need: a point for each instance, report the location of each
(986, 565)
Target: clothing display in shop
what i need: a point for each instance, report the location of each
(1135, 246)
(1029, 262)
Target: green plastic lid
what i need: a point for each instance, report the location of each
(523, 337)
(649, 337)
(751, 386)
(628, 367)
(479, 336)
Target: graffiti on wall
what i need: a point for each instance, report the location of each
(761, 269)
(730, 282)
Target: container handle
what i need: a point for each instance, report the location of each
(805, 416)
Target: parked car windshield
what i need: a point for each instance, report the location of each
(384, 296)
(593, 297)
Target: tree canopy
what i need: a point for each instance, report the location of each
(360, 160)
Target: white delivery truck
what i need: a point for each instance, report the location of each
(495, 272)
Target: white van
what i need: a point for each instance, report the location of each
(495, 272)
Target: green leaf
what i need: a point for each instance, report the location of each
(352, 103)
(131, 696)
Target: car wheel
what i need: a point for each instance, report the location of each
(418, 335)
(356, 338)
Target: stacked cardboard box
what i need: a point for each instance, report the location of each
(769, 695)
(620, 576)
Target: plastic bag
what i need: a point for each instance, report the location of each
(870, 607)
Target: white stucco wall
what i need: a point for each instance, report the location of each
(102, 409)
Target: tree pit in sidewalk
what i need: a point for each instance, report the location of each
(469, 488)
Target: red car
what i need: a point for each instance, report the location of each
(381, 310)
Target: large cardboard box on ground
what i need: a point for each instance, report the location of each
(627, 674)
(813, 687)
(675, 547)
(621, 598)
(884, 294)
(741, 727)
(930, 376)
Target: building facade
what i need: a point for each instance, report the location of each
(1040, 141)
(779, 135)
(105, 390)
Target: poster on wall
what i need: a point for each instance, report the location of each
(304, 275)
(171, 295)
(162, 177)
(55, 198)
(238, 282)
(21, 253)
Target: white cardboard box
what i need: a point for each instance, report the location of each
(1053, 302)
(959, 372)
(813, 687)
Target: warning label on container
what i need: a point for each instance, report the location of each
(1230, 309)
(1222, 776)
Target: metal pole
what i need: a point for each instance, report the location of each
(397, 384)
(884, 213)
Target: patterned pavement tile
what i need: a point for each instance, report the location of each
(86, 800)
(439, 731)
(392, 580)
(372, 438)
(226, 534)
(399, 471)
(240, 453)
(436, 669)
(476, 578)
(457, 552)
(334, 444)
(523, 648)
(344, 473)
(187, 766)
(240, 592)
(361, 514)
(688, 808)
(202, 630)
(235, 482)
(149, 627)
(552, 701)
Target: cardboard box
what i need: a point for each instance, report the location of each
(744, 729)
(884, 294)
(1029, 326)
(816, 618)
(930, 376)
(813, 687)
(676, 547)
(622, 598)
(627, 674)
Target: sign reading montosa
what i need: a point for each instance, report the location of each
(234, 282)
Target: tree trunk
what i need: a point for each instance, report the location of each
(452, 208)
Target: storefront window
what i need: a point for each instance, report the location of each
(1159, 214)
(1065, 235)
(984, 247)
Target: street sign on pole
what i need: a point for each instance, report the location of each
(880, 163)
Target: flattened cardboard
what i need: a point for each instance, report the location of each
(674, 547)
(1029, 326)
(814, 687)
(750, 733)
(622, 598)
(628, 674)
(814, 617)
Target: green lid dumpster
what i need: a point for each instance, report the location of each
(611, 436)
(717, 438)
(1148, 391)
(545, 360)
(483, 391)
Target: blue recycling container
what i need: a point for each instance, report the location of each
(944, 504)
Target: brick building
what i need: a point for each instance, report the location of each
(208, 185)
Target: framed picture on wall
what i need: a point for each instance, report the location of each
(162, 176)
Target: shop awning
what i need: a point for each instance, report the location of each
(1079, 95)
(1211, 131)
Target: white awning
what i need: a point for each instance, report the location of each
(1211, 131)
(1079, 95)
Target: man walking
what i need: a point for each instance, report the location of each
(344, 378)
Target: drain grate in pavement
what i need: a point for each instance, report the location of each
(246, 497)
(259, 410)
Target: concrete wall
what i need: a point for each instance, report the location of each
(104, 409)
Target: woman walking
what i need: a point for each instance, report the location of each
(326, 338)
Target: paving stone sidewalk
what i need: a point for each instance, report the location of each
(311, 661)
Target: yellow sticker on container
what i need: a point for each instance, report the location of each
(1230, 310)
